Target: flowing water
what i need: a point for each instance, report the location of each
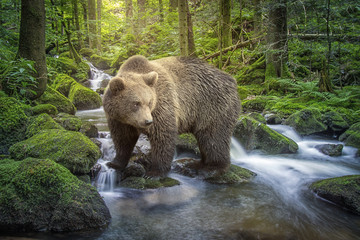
(276, 204)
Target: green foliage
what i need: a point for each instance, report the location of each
(17, 79)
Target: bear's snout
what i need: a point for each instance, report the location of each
(148, 122)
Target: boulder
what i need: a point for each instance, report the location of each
(257, 117)
(344, 191)
(191, 168)
(12, 123)
(352, 136)
(143, 183)
(335, 122)
(254, 135)
(44, 108)
(332, 150)
(69, 122)
(53, 97)
(89, 129)
(41, 195)
(38, 123)
(273, 119)
(100, 62)
(307, 121)
(71, 149)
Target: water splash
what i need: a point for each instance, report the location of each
(96, 77)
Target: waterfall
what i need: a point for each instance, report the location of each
(96, 77)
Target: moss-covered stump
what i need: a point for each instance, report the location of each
(44, 108)
(69, 122)
(41, 122)
(53, 97)
(352, 136)
(73, 150)
(254, 135)
(41, 195)
(344, 191)
(192, 168)
(101, 62)
(12, 123)
(143, 183)
(307, 121)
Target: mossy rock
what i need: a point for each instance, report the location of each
(63, 65)
(307, 121)
(83, 72)
(187, 143)
(12, 123)
(258, 103)
(41, 195)
(257, 117)
(254, 135)
(335, 121)
(69, 122)
(44, 108)
(53, 97)
(89, 129)
(84, 98)
(38, 123)
(344, 191)
(192, 168)
(71, 149)
(87, 52)
(272, 118)
(101, 62)
(142, 183)
(352, 136)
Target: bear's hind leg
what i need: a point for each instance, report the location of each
(215, 149)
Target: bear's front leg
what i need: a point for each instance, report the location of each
(163, 144)
(124, 137)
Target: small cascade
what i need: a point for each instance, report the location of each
(106, 177)
(236, 150)
(96, 77)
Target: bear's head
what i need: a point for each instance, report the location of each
(130, 98)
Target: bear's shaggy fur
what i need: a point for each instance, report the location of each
(166, 97)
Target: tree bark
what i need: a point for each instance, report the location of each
(183, 28)
(99, 6)
(32, 40)
(92, 23)
(142, 13)
(77, 23)
(225, 23)
(277, 54)
(191, 41)
(85, 18)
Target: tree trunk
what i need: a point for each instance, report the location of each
(32, 40)
(92, 23)
(191, 41)
(225, 23)
(77, 24)
(173, 4)
(183, 28)
(99, 6)
(277, 54)
(85, 17)
(142, 13)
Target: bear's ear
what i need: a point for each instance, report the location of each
(116, 85)
(150, 78)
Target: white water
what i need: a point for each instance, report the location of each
(97, 76)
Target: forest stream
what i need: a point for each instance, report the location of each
(277, 204)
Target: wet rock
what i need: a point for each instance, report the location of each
(191, 168)
(332, 150)
(97, 142)
(89, 129)
(257, 117)
(307, 121)
(41, 195)
(344, 191)
(352, 136)
(71, 149)
(142, 183)
(187, 143)
(100, 90)
(273, 119)
(133, 170)
(254, 135)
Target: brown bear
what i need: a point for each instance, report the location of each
(169, 96)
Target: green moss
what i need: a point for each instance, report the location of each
(351, 137)
(142, 183)
(63, 83)
(344, 191)
(70, 149)
(255, 135)
(62, 65)
(84, 98)
(82, 73)
(44, 108)
(257, 117)
(38, 123)
(39, 194)
(101, 62)
(53, 97)
(286, 107)
(258, 103)
(235, 174)
(335, 122)
(307, 121)
(12, 123)
(69, 122)
(86, 52)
